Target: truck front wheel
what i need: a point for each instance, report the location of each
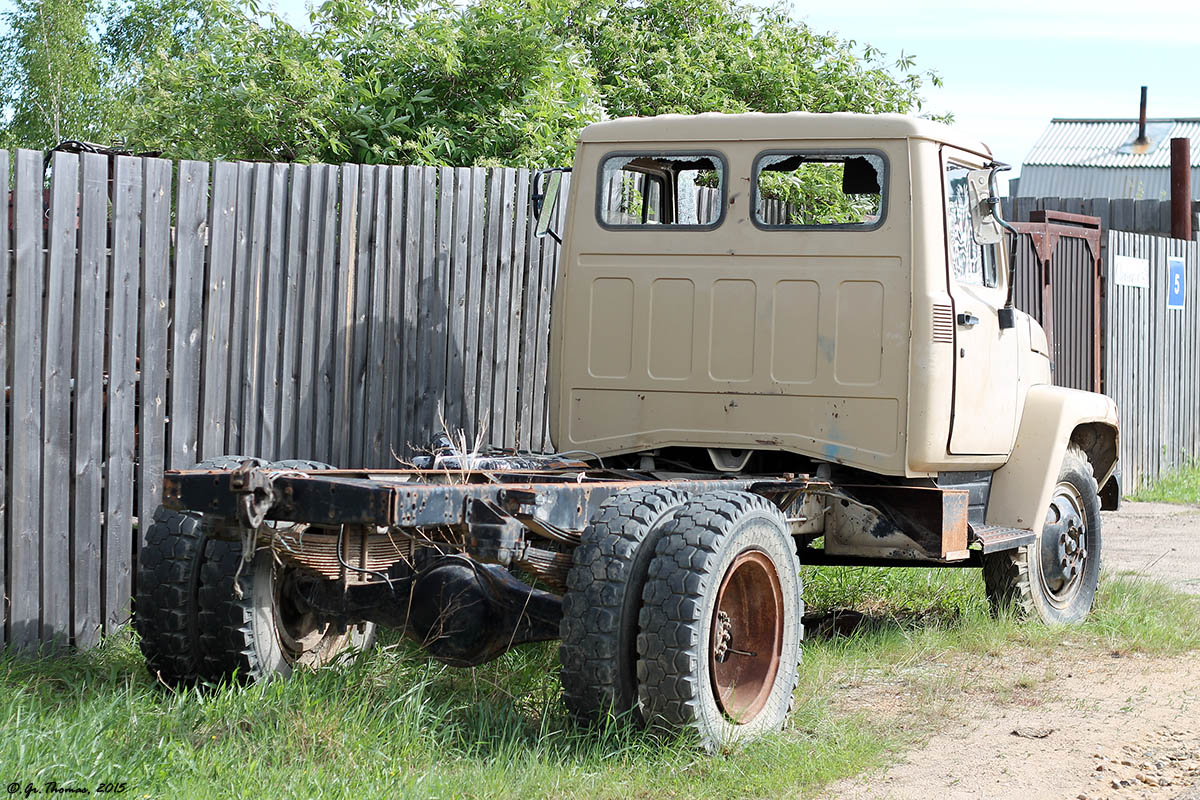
(721, 621)
(1055, 578)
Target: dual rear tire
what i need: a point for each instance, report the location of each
(684, 613)
(191, 622)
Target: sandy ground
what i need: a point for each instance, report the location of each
(1088, 728)
(1159, 540)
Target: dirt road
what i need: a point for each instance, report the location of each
(1080, 727)
(1159, 540)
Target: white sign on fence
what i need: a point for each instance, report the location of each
(1176, 283)
(1130, 271)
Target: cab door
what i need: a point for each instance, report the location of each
(985, 371)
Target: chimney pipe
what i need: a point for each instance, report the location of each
(1141, 137)
(1181, 188)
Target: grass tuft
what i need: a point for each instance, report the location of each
(392, 722)
(1180, 486)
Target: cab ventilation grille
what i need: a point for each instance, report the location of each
(943, 324)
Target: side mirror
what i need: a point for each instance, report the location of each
(546, 186)
(986, 227)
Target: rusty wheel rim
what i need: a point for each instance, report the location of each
(299, 631)
(747, 636)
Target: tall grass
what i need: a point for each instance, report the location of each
(393, 723)
(1180, 486)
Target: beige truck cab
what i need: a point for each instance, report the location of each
(759, 293)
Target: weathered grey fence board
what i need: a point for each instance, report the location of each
(275, 279)
(289, 354)
(240, 293)
(308, 312)
(394, 377)
(358, 333)
(441, 299)
(250, 408)
(514, 433)
(5, 272)
(25, 518)
(471, 357)
(56, 400)
(153, 324)
(424, 415)
(187, 311)
(411, 276)
(326, 339)
(457, 292)
(529, 431)
(88, 453)
(1149, 216)
(487, 309)
(504, 269)
(214, 371)
(122, 385)
(375, 419)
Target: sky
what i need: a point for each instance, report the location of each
(1010, 67)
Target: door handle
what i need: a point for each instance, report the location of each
(968, 320)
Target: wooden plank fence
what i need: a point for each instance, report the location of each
(162, 313)
(1152, 367)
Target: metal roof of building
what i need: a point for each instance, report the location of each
(1108, 143)
(1097, 158)
(1140, 183)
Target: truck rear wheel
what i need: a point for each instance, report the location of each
(168, 580)
(268, 630)
(721, 621)
(253, 623)
(604, 596)
(1055, 579)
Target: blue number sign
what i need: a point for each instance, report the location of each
(1176, 283)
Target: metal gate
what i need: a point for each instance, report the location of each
(1057, 268)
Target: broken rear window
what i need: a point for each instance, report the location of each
(809, 189)
(679, 190)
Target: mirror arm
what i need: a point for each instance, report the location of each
(1007, 317)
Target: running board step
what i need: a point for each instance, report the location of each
(995, 538)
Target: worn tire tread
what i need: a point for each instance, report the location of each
(594, 617)
(168, 577)
(681, 576)
(1007, 580)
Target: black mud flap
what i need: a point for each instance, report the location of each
(1110, 493)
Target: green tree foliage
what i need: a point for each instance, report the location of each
(54, 81)
(387, 81)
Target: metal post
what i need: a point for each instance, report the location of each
(1181, 188)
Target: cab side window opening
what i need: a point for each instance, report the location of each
(970, 262)
(679, 190)
(817, 189)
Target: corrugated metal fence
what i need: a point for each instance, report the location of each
(1152, 355)
(161, 313)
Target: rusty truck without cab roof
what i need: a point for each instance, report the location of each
(776, 339)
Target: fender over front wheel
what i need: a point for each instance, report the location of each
(1054, 579)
